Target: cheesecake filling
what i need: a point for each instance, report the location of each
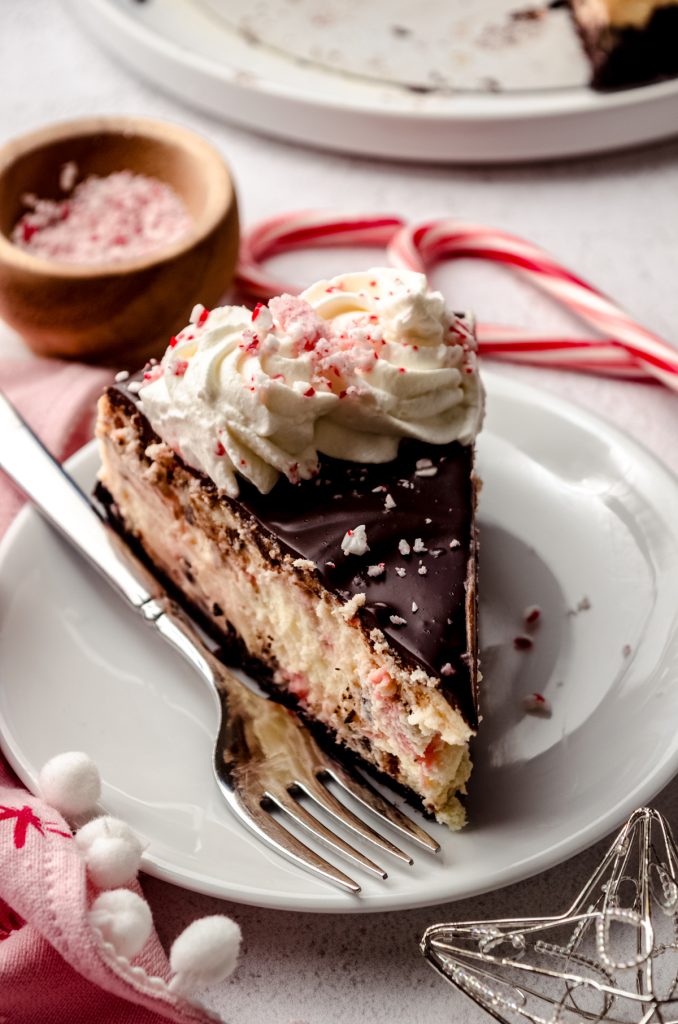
(310, 642)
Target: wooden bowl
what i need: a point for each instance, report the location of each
(115, 313)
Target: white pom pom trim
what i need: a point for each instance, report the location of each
(108, 827)
(205, 953)
(112, 862)
(123, 919)
(70, 783)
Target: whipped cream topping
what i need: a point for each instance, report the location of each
(346, 369)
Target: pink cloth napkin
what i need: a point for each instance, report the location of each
(54, 967)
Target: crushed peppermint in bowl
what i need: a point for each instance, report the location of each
(122, 216)
(111, 230)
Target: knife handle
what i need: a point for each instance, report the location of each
(27, 462)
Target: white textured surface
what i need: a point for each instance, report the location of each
(615, 220)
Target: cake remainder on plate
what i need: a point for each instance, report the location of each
(304, 474)
(629, 42)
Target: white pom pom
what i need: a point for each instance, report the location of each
(112, 861)
(123, 919)
(70, 783)
(205, 953)
(106, 827)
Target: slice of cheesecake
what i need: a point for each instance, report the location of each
(350, 586)
(629, 42)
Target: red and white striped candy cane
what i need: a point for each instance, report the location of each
(625, 347)
(302, 230)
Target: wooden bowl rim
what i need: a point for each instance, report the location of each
(220, 196)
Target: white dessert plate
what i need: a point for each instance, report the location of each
(574, 517)
(442, 80)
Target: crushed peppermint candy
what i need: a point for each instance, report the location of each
(401, 571)
(422, 570)
(403, 547)
(536, 704)
(398, 620)
(428, 521)
(419, 546)
(447, 670)
(376, 570)
(134, 387)
(523, 642)
(122, 216)
(121, 376)
(379, 490)
(331, 565)
(355, 541)
(389, 503)
(454, 544)
(423, 464)
(532, 614)
(426, 471)
(415, 606)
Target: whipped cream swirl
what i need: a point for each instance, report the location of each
(347, 369)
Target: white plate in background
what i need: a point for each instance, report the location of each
(574, 517)
(440, 80)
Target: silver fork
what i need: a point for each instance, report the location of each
(264, 758)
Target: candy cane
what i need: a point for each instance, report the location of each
(305, 229)
(626, 343)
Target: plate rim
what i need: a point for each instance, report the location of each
(334, 901)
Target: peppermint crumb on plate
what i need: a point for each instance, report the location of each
(403, 547)
(532, 614)
(398, 620)
(455, 543)
(401, 571)
(376, 570)
(415, 606)
(422, 570)
(536, 704)
(419, 546)
(447, 669)
(121, 376)
(389, 502)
